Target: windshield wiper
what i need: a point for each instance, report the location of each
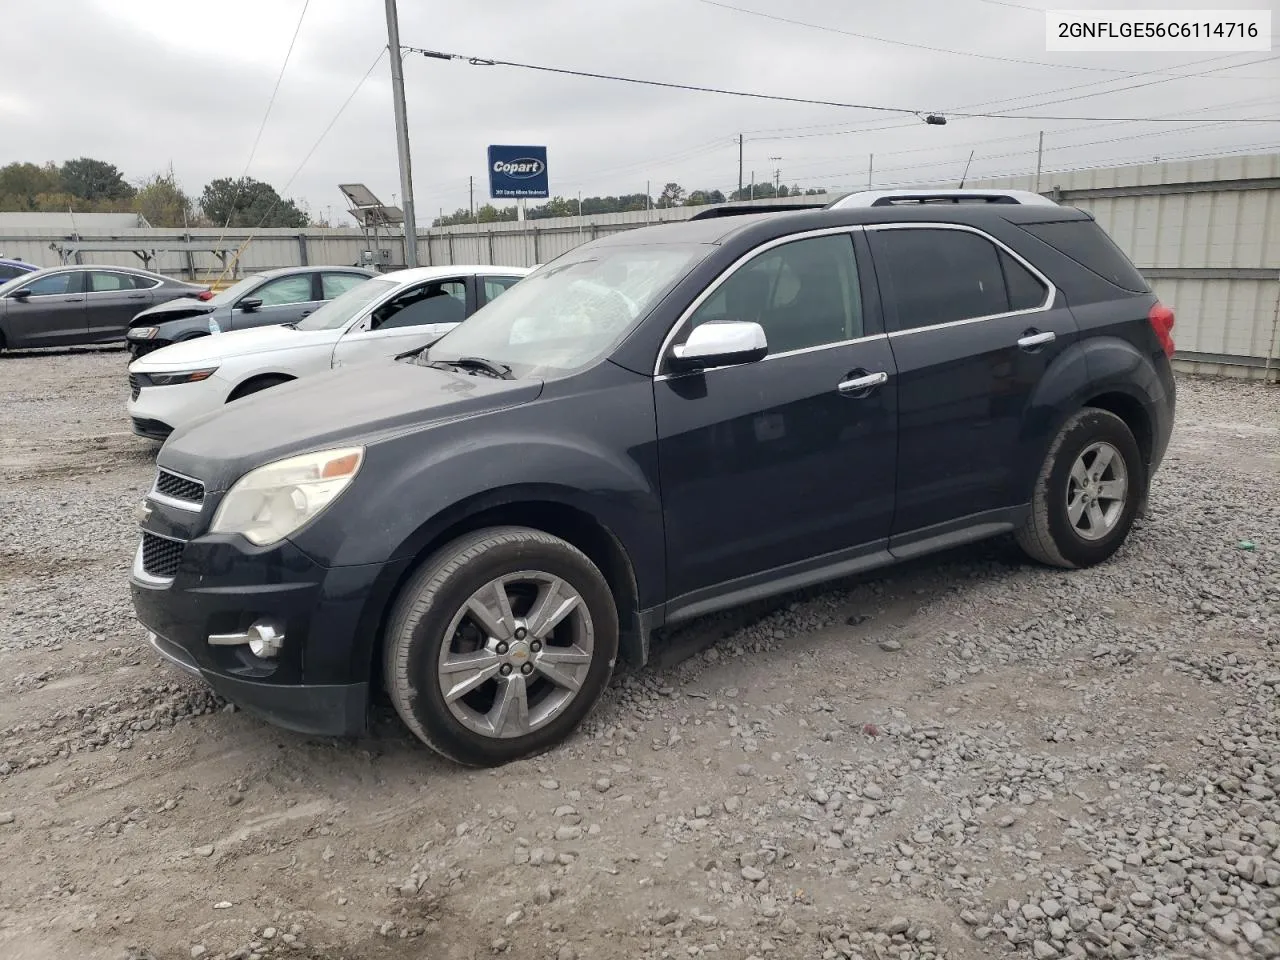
(499, 370)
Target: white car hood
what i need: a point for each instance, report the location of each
(233, 343)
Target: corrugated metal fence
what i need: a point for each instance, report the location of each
(1205, 232)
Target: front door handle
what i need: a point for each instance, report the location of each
(863, 381)
(137, 296)
(1032, 339)
(304, 313)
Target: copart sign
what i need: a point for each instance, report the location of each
(516, 172)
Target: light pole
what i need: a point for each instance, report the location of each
(402, 134)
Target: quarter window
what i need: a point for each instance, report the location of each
(804, 294)
(944, 276)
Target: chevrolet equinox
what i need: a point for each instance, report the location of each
(658, 424)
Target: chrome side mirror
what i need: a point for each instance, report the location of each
(721, 343)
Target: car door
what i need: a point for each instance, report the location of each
(111, 300)
(414, 317)
(53, 314)
(284, 299)
(973, 327)
(782, 467)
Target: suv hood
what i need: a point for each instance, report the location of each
(358, 404)
(187, 306)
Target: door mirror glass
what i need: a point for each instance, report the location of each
(249, 304)
(21, 294)
(721, 343)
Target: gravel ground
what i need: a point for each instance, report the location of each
(968, 756)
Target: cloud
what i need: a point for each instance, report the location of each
(149, 82)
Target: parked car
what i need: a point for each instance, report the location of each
(260, 299)
(658, 424)
(14, 268)
(376, 319)
(62, 306)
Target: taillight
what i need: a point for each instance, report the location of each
(1161, 318)
(204, 295)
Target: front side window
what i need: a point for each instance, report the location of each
(52, 285)
(944, 276)
(571, 312)
(804, 294)
(284, 290)
(443, 301)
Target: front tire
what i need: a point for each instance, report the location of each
(1087, 494)
(500, 645)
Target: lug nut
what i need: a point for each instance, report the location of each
(502, 649)
(521, 633)
(535, 646)
(527, 669)
(505, 669)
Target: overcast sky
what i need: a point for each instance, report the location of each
(146, 83)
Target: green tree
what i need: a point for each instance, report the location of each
(672, 195)
(247, 202)
(162, 202)
(22, 184)
(94, 180)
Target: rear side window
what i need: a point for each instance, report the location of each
(942, 276)
(1088, 245)
(1025, 291)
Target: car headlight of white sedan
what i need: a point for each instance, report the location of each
(171, 377)
(269, 503)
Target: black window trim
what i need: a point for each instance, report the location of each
(668, 341)
(1044, 307)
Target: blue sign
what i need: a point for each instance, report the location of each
(518, 172)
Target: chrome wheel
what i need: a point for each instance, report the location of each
(516, 654)
(1096, 491)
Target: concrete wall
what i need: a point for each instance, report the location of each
(1206, 233)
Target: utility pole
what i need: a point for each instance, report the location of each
(1039, 156)
(739, 166)
(753, 184)
(777, 175)
(471, 192)
(871, 166)
(402, 134)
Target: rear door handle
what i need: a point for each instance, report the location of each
(1029, 340)
(863, 382)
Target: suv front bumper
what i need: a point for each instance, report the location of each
(319, 681)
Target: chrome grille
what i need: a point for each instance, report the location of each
(178, 487)
(135, 388)
(161, 556)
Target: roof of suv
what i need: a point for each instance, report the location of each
(717, 230)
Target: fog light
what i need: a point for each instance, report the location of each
(264, 639)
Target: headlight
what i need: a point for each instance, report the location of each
(142, 333)
(180, 376)
(271, 502)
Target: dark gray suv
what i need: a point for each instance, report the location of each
(260, 299)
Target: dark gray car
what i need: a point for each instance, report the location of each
(62, 306)
(260, 299)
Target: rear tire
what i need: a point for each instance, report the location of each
(500, 645)
(257, 385)
(1087, 494)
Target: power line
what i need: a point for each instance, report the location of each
(906, 43)
(491, 62)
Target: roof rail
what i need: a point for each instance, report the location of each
(891, 198)
(737, 211)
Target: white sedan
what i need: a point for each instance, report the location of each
(380, 318)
